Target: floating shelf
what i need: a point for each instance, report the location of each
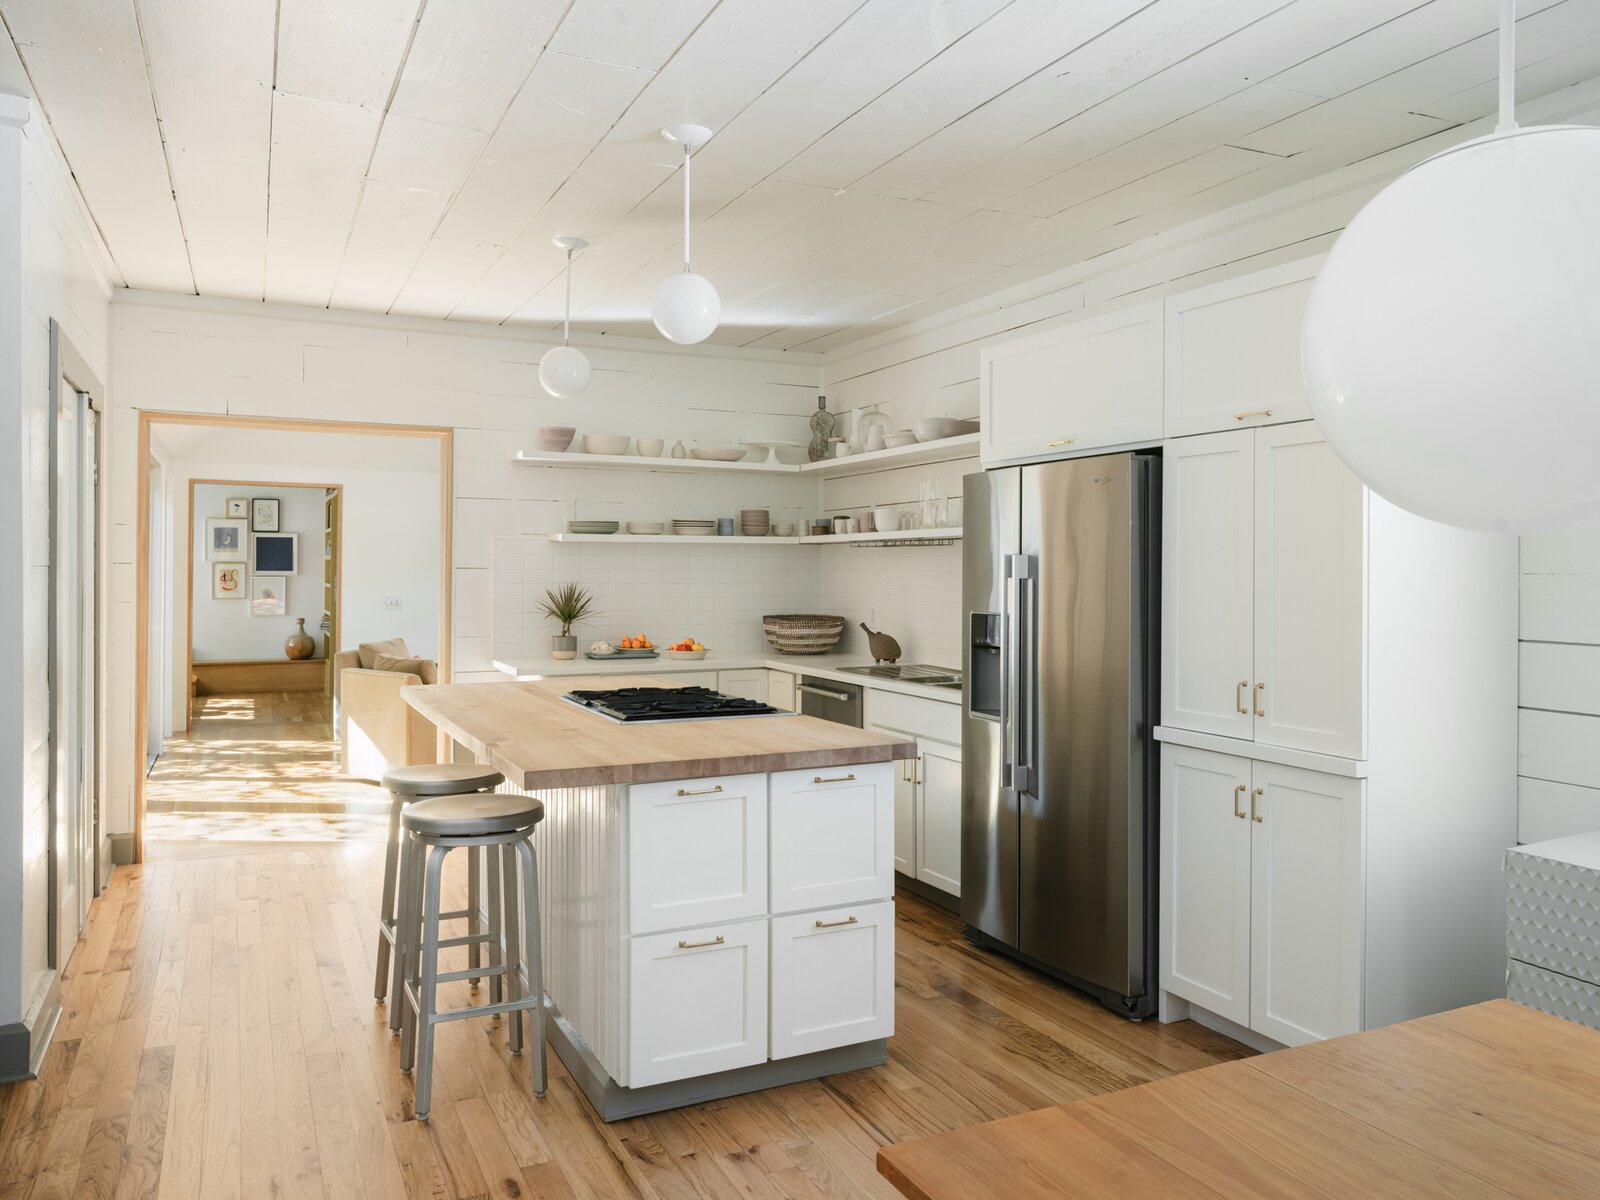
(905, 537)
(964, 446)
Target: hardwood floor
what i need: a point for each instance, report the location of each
(220, 1040)
(255, 767)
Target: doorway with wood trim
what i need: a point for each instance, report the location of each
(255, 752)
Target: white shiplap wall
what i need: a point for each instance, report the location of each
(1559, 688)
(50, 267)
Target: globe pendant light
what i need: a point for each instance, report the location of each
(687, 308)
(1452, 341)
(564, 371)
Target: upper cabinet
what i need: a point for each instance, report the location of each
(1090, 384)
(1233, 351)
(1264, 591)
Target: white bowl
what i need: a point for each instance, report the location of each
(901, 437)
(933, 429)
(886, 520)
(555, 438)
(717, 454)
(648, 447)
(644, 527)
(783, 530)
(605, 443)
(686, 653)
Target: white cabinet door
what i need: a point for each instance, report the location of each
(1306, 904)
(705, 679)
(1207, 583)
(938, 775)
(1093, 383)
(697, 852)
(905, 810)
(1310, 685)
(1205, 884)
(1233, 351)
(832, 978)
(697, 1002)
(752, 685)
(832, 836)
(780, 690)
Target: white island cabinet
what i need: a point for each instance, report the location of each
(706, 931)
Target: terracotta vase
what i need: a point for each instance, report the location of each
(299, 644)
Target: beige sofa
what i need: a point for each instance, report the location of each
(377, 728)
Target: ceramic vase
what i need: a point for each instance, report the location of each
(299, 644)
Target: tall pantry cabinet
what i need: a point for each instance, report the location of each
(1338, 712)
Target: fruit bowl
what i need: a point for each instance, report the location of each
(692, 654)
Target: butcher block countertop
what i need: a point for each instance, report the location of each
(538, 740)
(1495, 1100)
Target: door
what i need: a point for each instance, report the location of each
(780, 690)
(905, 811)
(832, 978)
(1092, 383)
(697, 852)
(1310, 687)
(937, 771)
(1208, 583)
(1082, 748)
(72, 666)
(752, 685)
(832, 830)
(1306, 904)
(991, 535)
(1205, 844)
(1233, 351)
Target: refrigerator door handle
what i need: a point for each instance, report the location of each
(1025, 667)
(1008, 666)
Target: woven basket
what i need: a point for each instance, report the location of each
(799, 633)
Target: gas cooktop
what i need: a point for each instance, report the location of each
(634, 704)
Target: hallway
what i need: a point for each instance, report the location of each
(253, 768)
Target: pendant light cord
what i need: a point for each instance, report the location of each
(566, 317)
(1508, 66)
(686, 208)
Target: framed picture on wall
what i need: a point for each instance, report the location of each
(276, 553)
(239, 506)
(264, 514)
(227, 581)
(269, 595)
(225, 540)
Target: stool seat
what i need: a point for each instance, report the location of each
(441, 779)
(474, 814)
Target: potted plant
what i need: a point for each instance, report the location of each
(568, 604)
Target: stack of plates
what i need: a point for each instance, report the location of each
(695, 528)
(755, 522)
(591, 526)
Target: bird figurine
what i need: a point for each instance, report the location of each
(883, 647)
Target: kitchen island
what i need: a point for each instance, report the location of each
(716, 895)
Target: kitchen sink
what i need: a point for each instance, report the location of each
(939, 677)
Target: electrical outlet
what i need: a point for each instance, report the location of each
(393, 602)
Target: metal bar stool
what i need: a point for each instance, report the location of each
(405, 785)
(434, 827)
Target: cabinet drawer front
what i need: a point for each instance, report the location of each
(697, 852)
(832, 978)
(1548, 992)
(915, 716)
(697, 1002)
(832, 836)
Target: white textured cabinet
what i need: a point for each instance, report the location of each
(1264, 601)
(697, 852)
(832, 836)
(832, 978)
(1095, 382)
(698, 1002)
(752, 685)
(1263, 912)
(1233, 351)
(780, 690)
(938, 792)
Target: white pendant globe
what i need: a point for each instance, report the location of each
(687, 308)
(564, 372)
(1452, 340)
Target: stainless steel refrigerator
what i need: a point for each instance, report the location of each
(1058, 842)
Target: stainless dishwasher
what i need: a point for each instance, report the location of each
(838, 702)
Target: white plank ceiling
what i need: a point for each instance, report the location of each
(874, 160)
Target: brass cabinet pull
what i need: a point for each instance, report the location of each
(716, 941)
(916, 770)
(835, 924)
(1238, 794)
(1260, 687)
(1060, 442)
(1238, 696)
(1254, 815)
(1260, 412)
(710, 791)
(833, 779)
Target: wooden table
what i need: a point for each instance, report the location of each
(1495, 1100)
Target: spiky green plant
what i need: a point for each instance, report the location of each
(568, 604)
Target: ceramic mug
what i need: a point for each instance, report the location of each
(886, 519)
(844, 524)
